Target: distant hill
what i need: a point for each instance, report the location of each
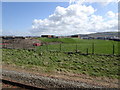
(101, 34)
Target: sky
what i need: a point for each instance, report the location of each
(58, 18)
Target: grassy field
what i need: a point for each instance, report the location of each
(71, 44)
(60, 62)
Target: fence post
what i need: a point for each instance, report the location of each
(40, 49)
(76, 48)
(87, 51)
(46, 47)
(60, 47)
(13, 44)
(92, 48)
(113, 49)
(23, 46)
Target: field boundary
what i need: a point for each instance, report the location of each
(76, 52)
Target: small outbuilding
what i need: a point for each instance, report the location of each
(48, 36)
(75, 36)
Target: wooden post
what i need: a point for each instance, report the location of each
(23, 45)
(76, 48)
(113, 49)
(46, 47)
(87, 51)
(60, 47)
(40, 48)
(34, 48)
(92, 48)
(13, 44)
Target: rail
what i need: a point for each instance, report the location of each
(21, 85)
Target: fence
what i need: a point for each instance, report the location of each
(75, 48)
(83, 49)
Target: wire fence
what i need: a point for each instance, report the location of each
(73, 48)
(80, 48)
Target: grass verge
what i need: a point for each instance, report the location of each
(60, 62)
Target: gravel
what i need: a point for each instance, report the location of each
(42, 81)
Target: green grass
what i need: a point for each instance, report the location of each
(64, 40)
(60, 62)
(69, 44)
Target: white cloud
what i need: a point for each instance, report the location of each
(110, 14)
(106, 2)
(103, 2)
(77, 2)
(75, 19)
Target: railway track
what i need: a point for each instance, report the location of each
(14, 84)
(32, 81)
